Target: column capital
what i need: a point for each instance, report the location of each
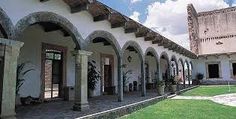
(13, 43)
(82, 52)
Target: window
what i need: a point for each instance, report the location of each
(213, 71)
(233, 70)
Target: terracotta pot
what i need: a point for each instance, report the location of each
(161, 90)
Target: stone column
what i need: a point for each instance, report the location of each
(8, 82)
(120, 79)
(184, 77)
(143, 81)
(160, 71)
(81, 80)
(188, 76)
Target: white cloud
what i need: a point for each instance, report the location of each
(135, 16)
(170, 18)
(134, 1)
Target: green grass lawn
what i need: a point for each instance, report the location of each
(184, 109)
(210, 90)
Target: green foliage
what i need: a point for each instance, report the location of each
(199, 76)
(20, 75)
(172, 80)
(93, 75)
(160, 83)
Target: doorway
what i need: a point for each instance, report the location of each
(213, 70)
(108, 74)
(53, 62)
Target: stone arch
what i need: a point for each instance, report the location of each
(167, 70)
(186, 73)
(186, 61)
(191, 64)
(6, 25)
(156, 74)
(181, 61)
(151, 49)
(165, 55)
(136, 46)
(173, 58)
(44, 16)
(106, 35)
(181, 72)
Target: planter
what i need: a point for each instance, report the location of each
(161, 90)
(196, 82)
(18, 102)
(173, 88)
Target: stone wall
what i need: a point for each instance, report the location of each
(193, 29)
(215, 29)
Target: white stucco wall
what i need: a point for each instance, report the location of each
(98, 49)
(134, 66)
(217, 25)
(225, 66)
(33, 38)
(85, 25)
(151, 61)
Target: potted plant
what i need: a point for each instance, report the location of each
(173, 83)
(20, 79)
(93, 77)
(161, 87)
(126, 80)
(199, 77)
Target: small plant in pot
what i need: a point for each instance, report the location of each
(199, 77)
(173, 83)
(93, 77)
(21, 72)
(161, 87)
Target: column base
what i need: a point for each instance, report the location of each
(80, 107)
(120, 99)
(8, 117)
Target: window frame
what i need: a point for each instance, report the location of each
(231, 69)
(207, 69)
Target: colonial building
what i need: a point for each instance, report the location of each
(212, 37)
(55, 39)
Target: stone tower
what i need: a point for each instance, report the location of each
(193, 29)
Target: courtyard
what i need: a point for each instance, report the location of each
(204, 102)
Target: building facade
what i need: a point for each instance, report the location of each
(212, 38)
(57, 39)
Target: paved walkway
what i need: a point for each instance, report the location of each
(63, 109)
(225, 99)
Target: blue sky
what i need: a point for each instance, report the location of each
(168, 17)
(127, 8)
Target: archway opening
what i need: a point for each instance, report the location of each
(47, 50)
(151, 70)
(186, 73)
(105, 59)
(173, 67)
(132, 62)
(165, 69)
(181, 74)
(3, 33)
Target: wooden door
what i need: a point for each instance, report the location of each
(53, 71)
(107, 77)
